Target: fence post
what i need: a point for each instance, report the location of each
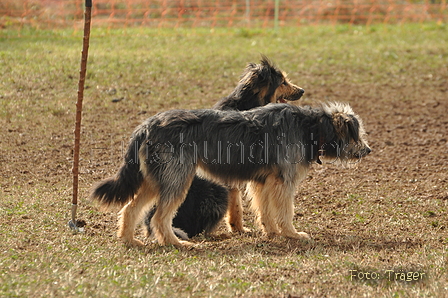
(277, 3)
(248, 11)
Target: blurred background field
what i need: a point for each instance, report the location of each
(219, 13)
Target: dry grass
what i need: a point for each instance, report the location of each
(390, 213)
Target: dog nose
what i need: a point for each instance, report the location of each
(368, 150)
(301, 91)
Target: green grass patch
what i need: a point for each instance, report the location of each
(370, 219)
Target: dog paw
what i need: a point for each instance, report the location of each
(298, 236)
(303, 236)
(272, 235)
(245, 230)
(187, 245)
(239, 230)
(133, 242)
(219, 237)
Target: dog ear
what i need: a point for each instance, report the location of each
(346, 127)
(266, 62)
(353, 128)
(247, 78)
(264, 74)
(256, 76)
(250, 69)
(268, 69)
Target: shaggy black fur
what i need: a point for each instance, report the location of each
(202, 210)
(121, 188)
(259, 85)
(278, 141)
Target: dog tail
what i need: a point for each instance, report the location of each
(121, 188)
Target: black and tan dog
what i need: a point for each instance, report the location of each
(270, 148)
(207, 202)
(204, 207)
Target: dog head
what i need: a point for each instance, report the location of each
(342, 135)
(269, 84)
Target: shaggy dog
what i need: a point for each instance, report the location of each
(207, 202)
(205, 206)
(270, 148)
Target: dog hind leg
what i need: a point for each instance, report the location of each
(161, 222)
(172, 195)
(132, 212)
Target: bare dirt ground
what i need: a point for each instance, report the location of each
(407, 129)
(391, 206)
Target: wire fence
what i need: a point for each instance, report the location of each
(220, 13)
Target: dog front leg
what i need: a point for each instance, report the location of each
(235, 212)
(285, 216)
(262, 203)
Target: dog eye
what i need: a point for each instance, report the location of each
(284, 83)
